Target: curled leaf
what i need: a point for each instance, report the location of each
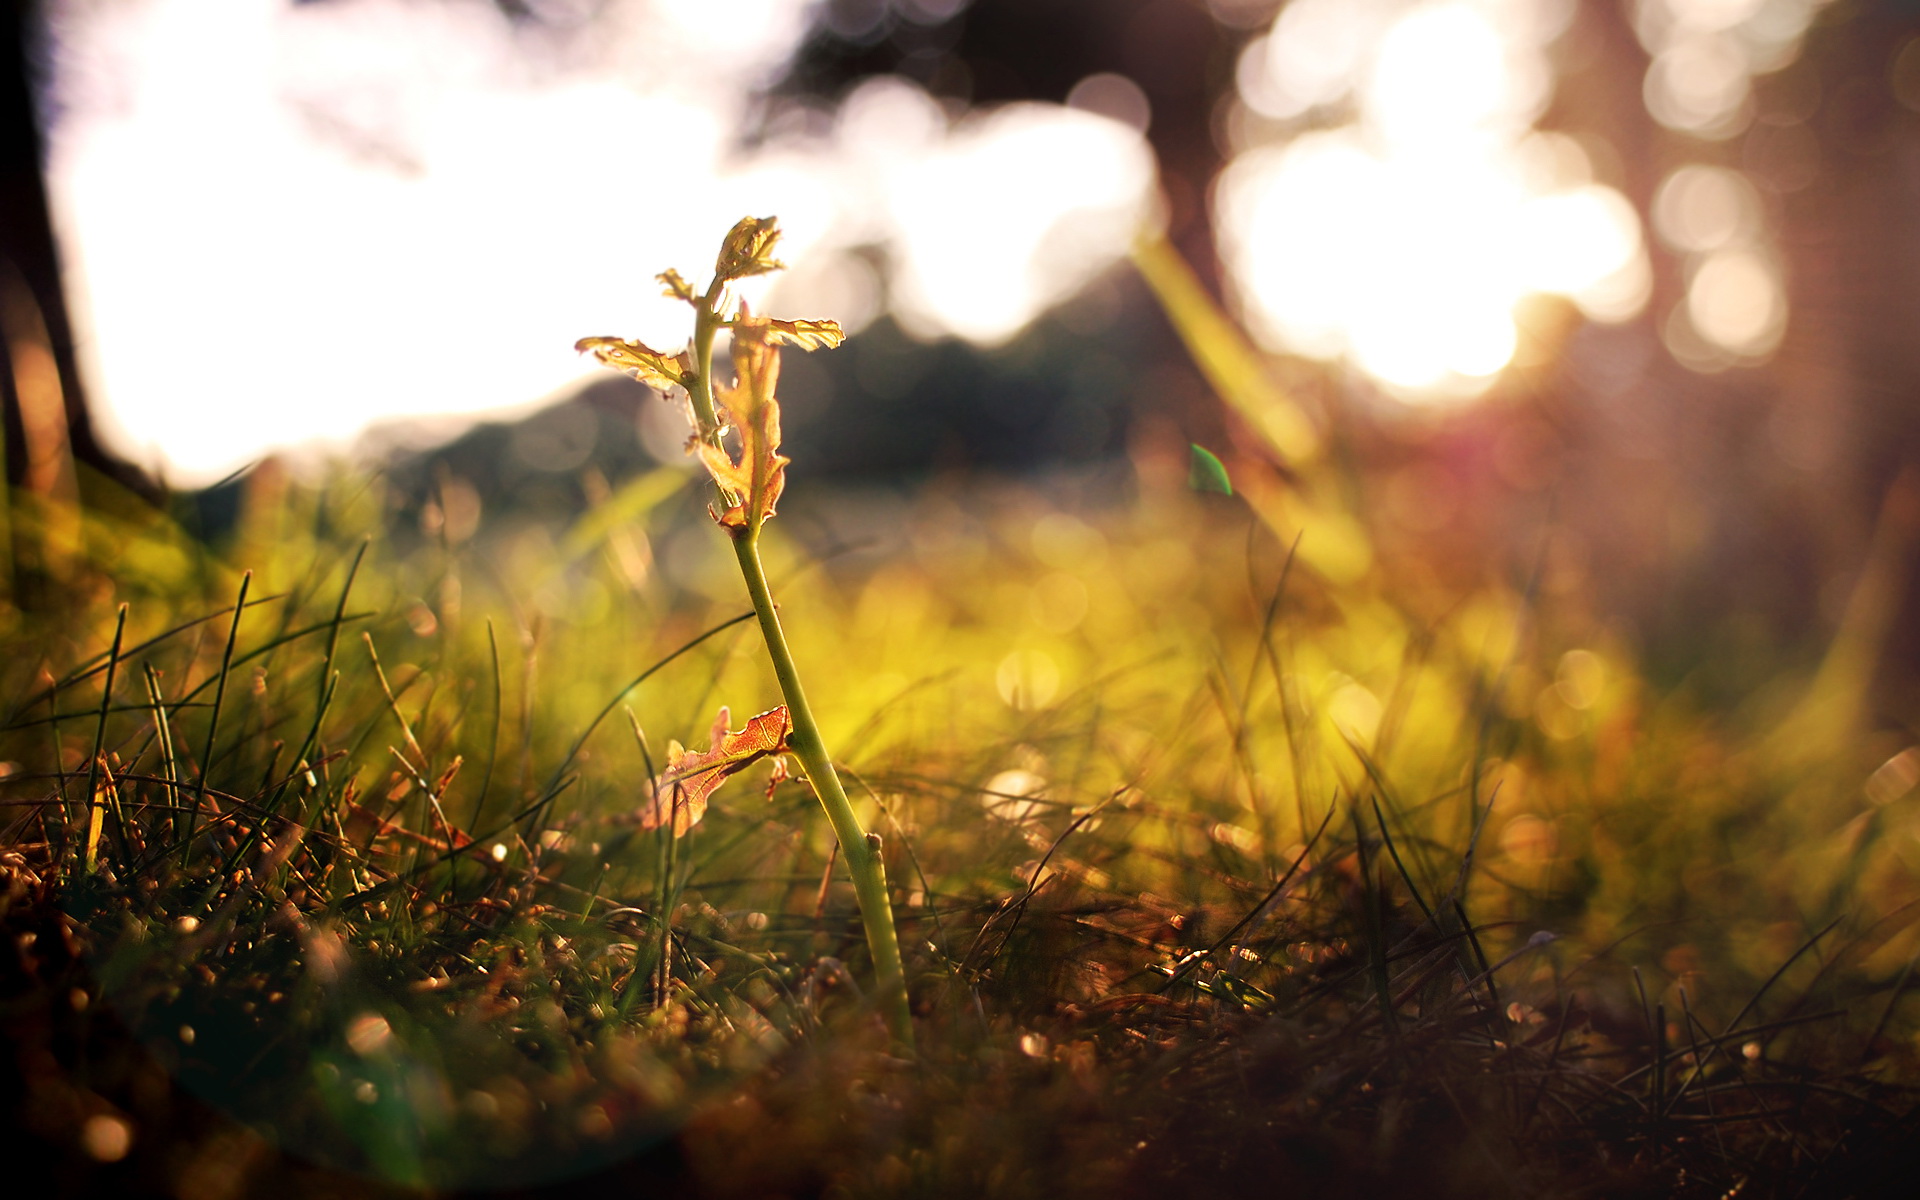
(748, 249)
(752, 483)
(806, 335)
(780, 774)
(679, 794)
(676, 286)
(637, 359)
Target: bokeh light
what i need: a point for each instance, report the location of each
(1700, 208)
(1734, 312)
(1404, 232)
(1706, 54)
(1734, 301)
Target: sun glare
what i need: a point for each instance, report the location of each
(1405, 237)
(284, 224)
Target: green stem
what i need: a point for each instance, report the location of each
(859, 849)
(706, 323)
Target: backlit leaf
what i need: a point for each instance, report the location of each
(677, 287)
(805, 335)
(637, 359)
(681, 791)
(752, 483)
(748, 249)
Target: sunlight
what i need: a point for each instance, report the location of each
(284, 225)
(1312, 54)
(1404, 240)
(980, 258)
(1440, 74)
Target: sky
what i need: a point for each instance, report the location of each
(285, 224)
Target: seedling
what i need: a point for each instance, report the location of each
(748, 488)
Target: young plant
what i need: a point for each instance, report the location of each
(749, 487)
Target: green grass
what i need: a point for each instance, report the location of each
(1209, 872)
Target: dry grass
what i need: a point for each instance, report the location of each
(1211, 874)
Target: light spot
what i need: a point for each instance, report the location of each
(1058, 602)
(1894, 778)
(106, 1137)
(421, 620)
(1904, 75)
(1555, 717)
(1701, 86)
(1245, 840)
(1355, 712)
(1016, 795)
(1700, 208)
(1580, 678)
(369, 1034)
(1115, 97)
(594, 1122)
(1027, 679)
(1531, 841)
(1735, 301)
(1312, 56)
(1066, 543)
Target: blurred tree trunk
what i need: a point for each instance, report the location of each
(48, 428)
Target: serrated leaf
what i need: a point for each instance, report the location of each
(752, 483)
(677, 287)
(1207, 473)
(680, 793)
(805, 335)
(748, 249)
(636, 358)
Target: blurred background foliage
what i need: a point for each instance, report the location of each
(1713, 496)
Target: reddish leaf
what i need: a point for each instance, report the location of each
(682, 789)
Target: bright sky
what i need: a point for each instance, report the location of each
(285, 223)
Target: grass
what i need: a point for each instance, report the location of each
(1215, 867)
(1208, 872)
